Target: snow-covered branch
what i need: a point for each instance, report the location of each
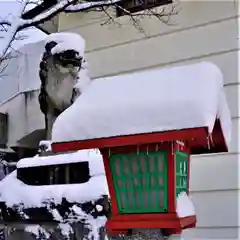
(46, 10)
(47, 15)
(88, 5)
(12, 31)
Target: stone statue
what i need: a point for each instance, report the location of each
(59, 74)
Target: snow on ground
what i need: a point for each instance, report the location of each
(149, 101)
(37, 196)
(66, 41)
(37, 230)
(185, 207)
(34, 196)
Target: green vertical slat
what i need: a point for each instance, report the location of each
(165, 179)
(130, 191)
(124, 177)
(139, 179)
(114, 176)
(147, 164)
(156, 177)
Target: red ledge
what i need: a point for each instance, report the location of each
(123, 223)
(195, 138)
(137, 139)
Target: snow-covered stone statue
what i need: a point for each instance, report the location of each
(62, 74)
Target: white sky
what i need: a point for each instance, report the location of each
(7, 10)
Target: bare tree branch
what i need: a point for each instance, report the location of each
(46, 10)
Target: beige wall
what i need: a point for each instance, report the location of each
(206, 31)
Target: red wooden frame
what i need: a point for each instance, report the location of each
(170, 222)
(121, 223)
(197, 140)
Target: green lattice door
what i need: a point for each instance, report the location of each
(181, 172)
(140, 181)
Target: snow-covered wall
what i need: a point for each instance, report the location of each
(204, 31)
(22, 71)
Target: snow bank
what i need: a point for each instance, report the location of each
(149, 101)
(185, 207)
(35, 196)
(67, 41)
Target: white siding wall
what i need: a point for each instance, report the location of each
(203, 31)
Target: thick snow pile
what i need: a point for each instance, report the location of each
(25, 196)
(149, 101)
(35, 196)
(66, 41)
(185, 207)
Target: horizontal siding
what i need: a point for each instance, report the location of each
(227, 62)
(232, 93)
(217, 208)
(203, 41)
(190, 14)
(212, 233)
(203, 168)
(234, 144)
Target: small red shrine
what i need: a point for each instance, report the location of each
(147, 153)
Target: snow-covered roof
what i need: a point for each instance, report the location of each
(148, 101)
(36, 196)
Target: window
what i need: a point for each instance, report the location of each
(55, 174)
(139, 5)
(78, 173)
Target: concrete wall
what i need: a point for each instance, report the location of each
(24, 118)
(204, 31)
